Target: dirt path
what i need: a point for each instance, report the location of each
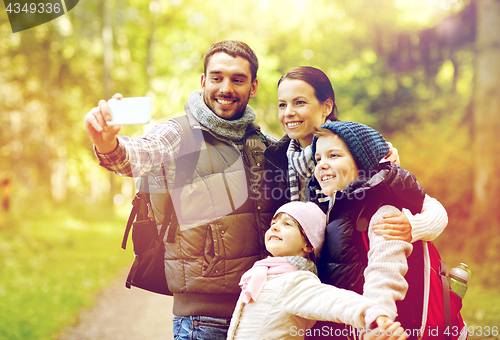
(124, 314)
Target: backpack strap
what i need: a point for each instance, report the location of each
(254, 127)
(136, 202)
(446, 302)
(189, 149)
(185, 165)
(131, 218)
(169, 216)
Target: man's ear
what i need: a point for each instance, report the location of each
(253, 89)
(203, 81)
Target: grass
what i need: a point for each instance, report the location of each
(481, 312)
(53, 265)
(481, 304)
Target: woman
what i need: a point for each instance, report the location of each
(306, 100)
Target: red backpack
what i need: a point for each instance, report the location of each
(430, 310)
(444, 320)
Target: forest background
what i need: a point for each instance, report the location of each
(422, 72)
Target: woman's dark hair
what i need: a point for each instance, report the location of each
(319, 81)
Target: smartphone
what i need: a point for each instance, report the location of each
(130, 111)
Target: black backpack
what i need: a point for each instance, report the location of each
(148, 269)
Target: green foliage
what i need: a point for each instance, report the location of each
(481, 305)
(481, 311)
(429, 150)
(52, 75)
(52, 265)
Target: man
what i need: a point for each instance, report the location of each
(211, 249)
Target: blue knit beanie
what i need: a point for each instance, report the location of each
(366, 145)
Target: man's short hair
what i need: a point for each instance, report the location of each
(235, 49)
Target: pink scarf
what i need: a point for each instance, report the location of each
(253, 280)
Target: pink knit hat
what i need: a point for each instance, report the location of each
(311, 218)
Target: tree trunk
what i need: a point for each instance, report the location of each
(486, 212)
(154, 8)
(107, 40)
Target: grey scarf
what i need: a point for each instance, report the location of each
(231, 129)
(301, 263)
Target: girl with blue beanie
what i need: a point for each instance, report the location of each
(361, 191)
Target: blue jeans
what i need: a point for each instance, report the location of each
(200, 328)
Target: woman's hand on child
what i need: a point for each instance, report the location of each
(393, 155)
(393, 226)
(387, 329)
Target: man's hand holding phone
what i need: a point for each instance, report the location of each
(104, 122)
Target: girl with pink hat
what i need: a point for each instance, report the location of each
(282, 296)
